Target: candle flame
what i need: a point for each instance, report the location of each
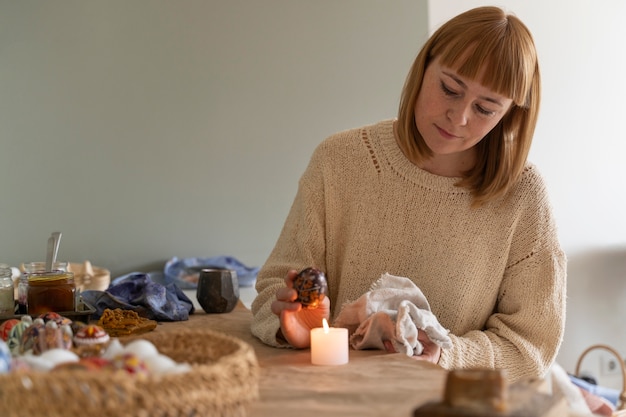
(325, 324)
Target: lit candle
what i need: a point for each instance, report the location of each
(329, 345)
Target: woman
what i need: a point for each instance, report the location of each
(444, 196)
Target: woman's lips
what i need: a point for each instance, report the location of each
(445, 133)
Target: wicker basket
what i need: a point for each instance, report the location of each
(223, 380)
(621, 406)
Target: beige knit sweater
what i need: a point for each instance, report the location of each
(494, 276)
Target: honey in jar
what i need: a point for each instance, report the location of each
(51, 291)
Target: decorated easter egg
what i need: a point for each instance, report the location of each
(5, 357)
(55, 317)
(311, 286)
(91, 340)
(31, 335)
(16, 332)
(53, 337)
(130, 363)
(5, 328)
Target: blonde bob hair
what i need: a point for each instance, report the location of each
(482, 38)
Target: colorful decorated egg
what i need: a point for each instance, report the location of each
(30, 336)
(16, 332)
(311, 286)
(53, 337)
(130, 363)
(55, 317)
(91, 340)
(5, 328)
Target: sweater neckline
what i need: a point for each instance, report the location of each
(401, 165)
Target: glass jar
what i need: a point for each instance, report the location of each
(22, 286)
(51, 291)
(7, 301)
(41, 266)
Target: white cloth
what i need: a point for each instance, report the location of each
(560, 384)
(394, 309)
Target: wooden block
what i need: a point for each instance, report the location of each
(522, 399)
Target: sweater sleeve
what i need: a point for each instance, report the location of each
(525, 331)
(301, 244)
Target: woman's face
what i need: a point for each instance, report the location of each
(453, 114)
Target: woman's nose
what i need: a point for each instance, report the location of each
(459, 114)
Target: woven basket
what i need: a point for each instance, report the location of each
(223, 380)
(621, 406)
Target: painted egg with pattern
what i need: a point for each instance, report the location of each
(311, 286)
(55, 317)
(15, 334)
(130, 363)
(91, 340)
(5, 328)
(30, 336)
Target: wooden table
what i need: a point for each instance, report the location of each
(373, 383)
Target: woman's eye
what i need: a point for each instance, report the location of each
(484, 111)
(447, 91)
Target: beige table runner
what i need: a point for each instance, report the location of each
(373, 383)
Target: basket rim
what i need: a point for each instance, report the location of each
(622, 397)
(236, 369)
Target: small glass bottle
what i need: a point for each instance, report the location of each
(7, 301)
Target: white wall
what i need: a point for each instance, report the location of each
(148, 129)
(580, 146)
(580, 143)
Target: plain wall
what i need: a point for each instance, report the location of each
(149, 129)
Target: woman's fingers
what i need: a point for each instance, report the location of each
(279, 306)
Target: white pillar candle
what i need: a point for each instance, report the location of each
(329, 345)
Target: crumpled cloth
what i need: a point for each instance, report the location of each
(176, 268)
(394, 309)
(138, 292)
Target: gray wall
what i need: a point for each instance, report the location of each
(148, 129)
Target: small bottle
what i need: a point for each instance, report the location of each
(22, 294)
(7, 301)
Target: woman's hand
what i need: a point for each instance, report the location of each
(296, 322)
(431, 352)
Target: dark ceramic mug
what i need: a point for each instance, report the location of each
(218, 290)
